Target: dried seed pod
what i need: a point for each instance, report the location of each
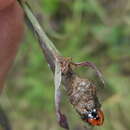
(82, 95)
(81, 92)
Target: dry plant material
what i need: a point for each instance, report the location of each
(81, 92)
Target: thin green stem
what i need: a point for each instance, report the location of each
(46, 44)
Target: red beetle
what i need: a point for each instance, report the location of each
(94, 117)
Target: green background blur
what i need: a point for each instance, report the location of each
(86, 30)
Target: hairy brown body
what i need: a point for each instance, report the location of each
(11, 32)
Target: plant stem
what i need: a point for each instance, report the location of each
(50, 51)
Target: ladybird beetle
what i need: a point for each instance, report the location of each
(94, 117)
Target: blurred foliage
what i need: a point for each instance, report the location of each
(91, 30)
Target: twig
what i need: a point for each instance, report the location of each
(81, 92)
(46, 44)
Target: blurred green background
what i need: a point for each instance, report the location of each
(91, 30)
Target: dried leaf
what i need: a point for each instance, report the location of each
(57, 76)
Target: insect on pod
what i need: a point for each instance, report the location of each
(82, 94)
